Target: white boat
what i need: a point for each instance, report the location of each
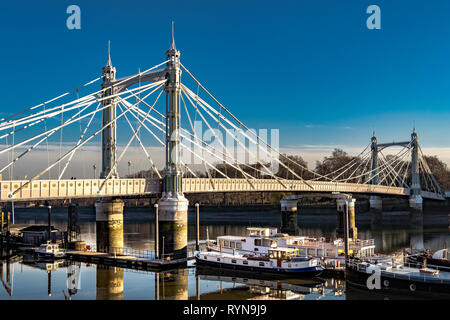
(261, 240)
(282, 261)
(49, 251)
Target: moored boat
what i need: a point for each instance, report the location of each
(391, 277)
(260, 240)
(281, 261)
(49, 251)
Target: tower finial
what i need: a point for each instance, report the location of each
(172, 45)
(108, 63)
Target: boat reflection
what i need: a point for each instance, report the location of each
(246, 286)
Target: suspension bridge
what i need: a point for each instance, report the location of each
(134, 102)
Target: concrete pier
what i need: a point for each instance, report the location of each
(340, 207)
(376, 204)
(416, 204)
(289, 210)
(109, 225)
(173, 223)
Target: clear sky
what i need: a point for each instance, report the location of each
(309, 68)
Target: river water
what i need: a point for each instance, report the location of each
(27, 279)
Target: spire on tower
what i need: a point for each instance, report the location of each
(108, 63)
(172, 45)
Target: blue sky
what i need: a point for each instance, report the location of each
(310, 68)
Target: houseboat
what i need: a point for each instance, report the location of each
(281, 261)
(397, 278)
(261, 240)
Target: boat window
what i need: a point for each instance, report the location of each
(233, 261)
(258, 242)
(205, 257)
(218, 259)
(320, 252)
(232, 244)
(238, 245)
(289, 265)
(303, 251)
(266, 242)
(245, 262)
(331, 253)
(261, 264)
(226, 243)
(311, 252)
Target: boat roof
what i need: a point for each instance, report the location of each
(283, 249)
(231, 238)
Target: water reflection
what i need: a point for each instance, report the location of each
(109, 283)
(247, 285)
(24, 278)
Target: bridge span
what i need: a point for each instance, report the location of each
(90, 188)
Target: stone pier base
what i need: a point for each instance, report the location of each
(376, 204)
(289, 216)
(109, 225)
(340, 207)
(173, 222)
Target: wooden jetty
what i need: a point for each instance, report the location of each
(125, 261)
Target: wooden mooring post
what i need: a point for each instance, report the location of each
(197, 227)
(346, 233)
(156, 232)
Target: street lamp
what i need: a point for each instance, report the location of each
(129, 165)
(95, 168)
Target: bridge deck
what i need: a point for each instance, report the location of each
(89, 188)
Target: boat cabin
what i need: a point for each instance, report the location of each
(283, 253)
(262, 232)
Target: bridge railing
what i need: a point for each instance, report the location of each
(76, 188)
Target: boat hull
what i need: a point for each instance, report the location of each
(392, 285)
(291, 272)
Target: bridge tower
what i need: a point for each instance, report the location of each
(173, 206)
(375, 201)
(109, 211)
(415, 199)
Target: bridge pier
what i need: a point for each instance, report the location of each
(173, 223)
(289, 215)
(376, 204)
(109, 225)
(340, 204)
(416, 204)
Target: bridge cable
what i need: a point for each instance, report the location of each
(74, 148)
(131, 139)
